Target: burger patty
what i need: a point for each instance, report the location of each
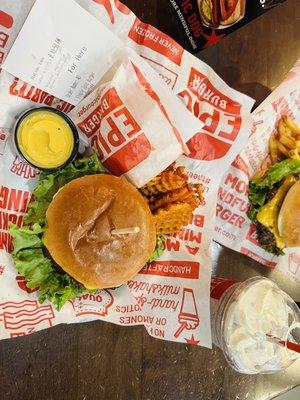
(265, 237)
(272, 193)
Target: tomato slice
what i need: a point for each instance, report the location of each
(227, 8)
(223, 9)
(232, 7)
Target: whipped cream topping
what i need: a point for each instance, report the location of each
(261, 311)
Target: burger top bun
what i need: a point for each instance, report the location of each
(81, 218)
(289, 217)
(234, 16)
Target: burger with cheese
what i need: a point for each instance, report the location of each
(275, 206)
(85, 230)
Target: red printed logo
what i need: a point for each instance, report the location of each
(23, 169)
(168, 76)
(148, 36)
(13, 203)
(219, 114)
(93, 304)
(251, 235)
(203, 89)
(6, 20)
(294, 263)
(240, 164)
(219, 286)
(25, 317)
(256, 257)
(176, 269)
(108, 7)
(116, 135)
(188, 317)
(28, 92)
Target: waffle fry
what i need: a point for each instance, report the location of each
(168, 180)
(170, 219)
(172, 199)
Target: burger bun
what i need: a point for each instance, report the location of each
(289, 217)
(82, 219)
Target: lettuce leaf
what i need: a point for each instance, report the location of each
(50, 184)
(259, 188)
(38, 269)
(29, 254)
(276, 173)
(159, 248)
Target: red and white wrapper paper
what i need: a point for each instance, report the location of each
(220, 290)
(233, 228)
(170, 297)
(129, 124)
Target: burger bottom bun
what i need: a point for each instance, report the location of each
(289, 217)
(79, 236)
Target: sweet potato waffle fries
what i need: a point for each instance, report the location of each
(172, 199)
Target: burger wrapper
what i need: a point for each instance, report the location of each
(126, 120)
(233, 228)
(171, 296)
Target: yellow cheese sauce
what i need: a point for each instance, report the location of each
(45, 139)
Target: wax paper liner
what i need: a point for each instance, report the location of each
(233, 228)
(171, 296)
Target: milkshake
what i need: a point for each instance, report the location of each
(252, 323)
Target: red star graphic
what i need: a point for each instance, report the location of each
(212, 38)
(192, 340)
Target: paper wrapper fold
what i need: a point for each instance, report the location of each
(171, 296)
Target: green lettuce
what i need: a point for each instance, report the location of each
(50, 184)
(29, 252)
(276, 173)
(38, 269)
(259, 188)
(159, 248)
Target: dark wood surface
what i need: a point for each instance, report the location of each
(96, 361)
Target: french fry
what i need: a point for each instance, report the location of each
(291, 124)
(273, 149)
(283, 129)
(294, 154)
(288, 142)
(280, 129)
(282, 149)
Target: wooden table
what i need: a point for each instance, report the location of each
(96, 361)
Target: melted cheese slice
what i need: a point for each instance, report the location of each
(268, 215)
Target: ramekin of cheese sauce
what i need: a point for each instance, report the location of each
(46, 138)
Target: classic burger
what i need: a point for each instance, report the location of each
(275, 206)
(85, 230)
(220, 12)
